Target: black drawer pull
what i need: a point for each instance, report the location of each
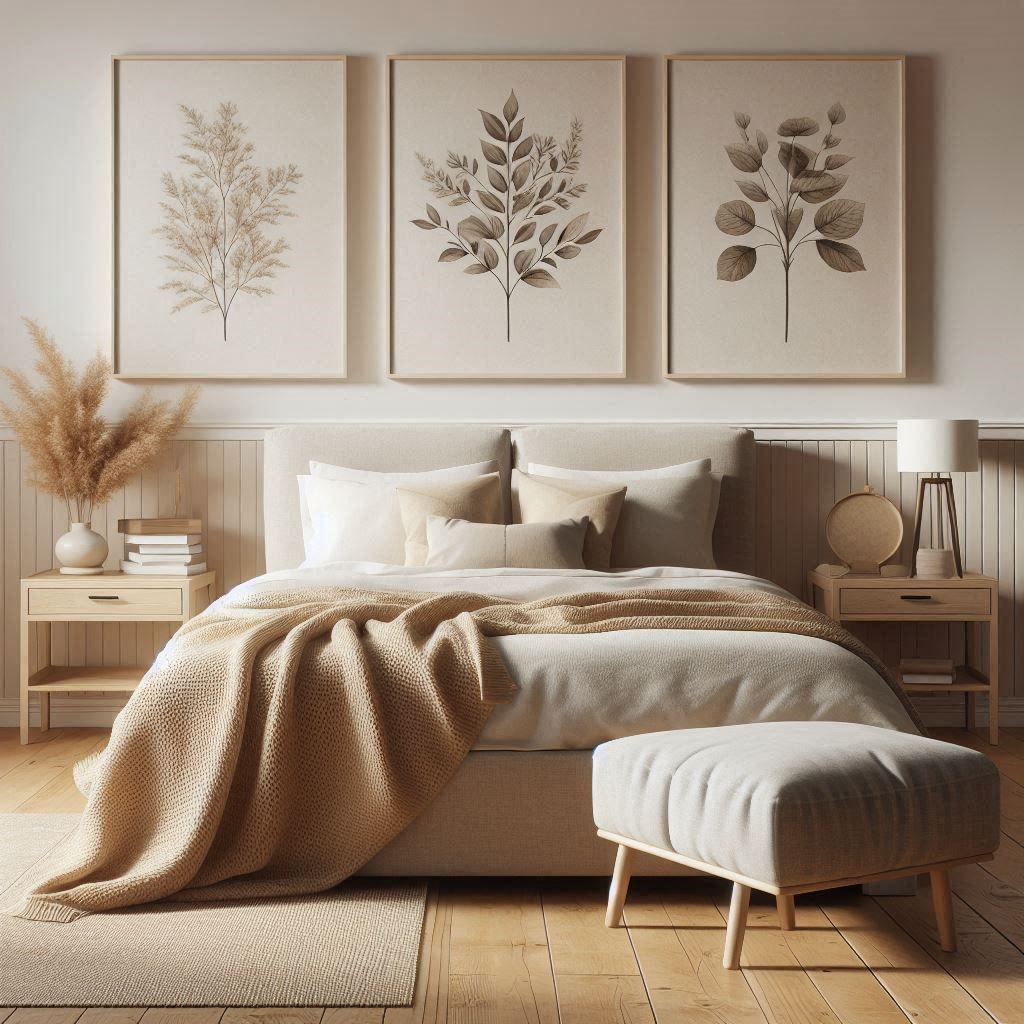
(915, 597)
(103, 597)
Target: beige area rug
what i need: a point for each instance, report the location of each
(357, 945)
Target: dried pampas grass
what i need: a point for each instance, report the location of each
(76, 454)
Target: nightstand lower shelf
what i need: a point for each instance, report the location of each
(965, 680)
(87, 678)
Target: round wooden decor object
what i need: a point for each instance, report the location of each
(865, 530)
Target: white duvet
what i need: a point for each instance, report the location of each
(578, 691)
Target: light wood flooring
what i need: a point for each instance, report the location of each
(536, 951)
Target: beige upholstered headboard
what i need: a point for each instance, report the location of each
(407, 447)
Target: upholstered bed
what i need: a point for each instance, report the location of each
(520, 803)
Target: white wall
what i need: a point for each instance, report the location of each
(965, 160)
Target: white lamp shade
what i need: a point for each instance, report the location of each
(937, 446)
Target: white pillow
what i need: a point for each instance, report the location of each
(390, 508)
(680, 469)
(667, 517)
(325, 471)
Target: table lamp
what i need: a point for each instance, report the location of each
(936, 447)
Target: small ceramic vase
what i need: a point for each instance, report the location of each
(81, 551)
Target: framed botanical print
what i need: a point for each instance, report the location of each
(507, 213)
(229, 217)
(784, 205)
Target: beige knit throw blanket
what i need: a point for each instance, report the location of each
(291, 734)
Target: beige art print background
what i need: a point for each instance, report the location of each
(839, 323)
(446, 322)
(294, 113)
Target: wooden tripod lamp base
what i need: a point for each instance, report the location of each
(945, 486)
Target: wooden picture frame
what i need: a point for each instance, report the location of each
(673, 364)
(335, 350)
(618, 221)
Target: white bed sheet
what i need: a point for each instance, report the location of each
(578, 691)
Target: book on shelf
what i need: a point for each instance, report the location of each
(159, 525)
(165, 559)
(187, 539)
(163, 569)
(165, 549)
(930, 671)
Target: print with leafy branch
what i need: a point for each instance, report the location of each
(836, 220)
(510, 232)
(215, 215)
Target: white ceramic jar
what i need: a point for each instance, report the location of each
(81, 551)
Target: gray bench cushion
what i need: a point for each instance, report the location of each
(795, 803)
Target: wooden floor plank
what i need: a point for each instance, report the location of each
(986, 964)
(579, 942)
(44, 1015)
(776, 977)
(354, 1015)
(919, 985)
(854, 994)
(1008, 863)
(597, 978)
(14, 753)
(1013, 809)
(602, 999)
(678, 938)
(112, 1015)
(273, 1015)
(1000, 903)
(183, 1015)
(499, 965)
(60, 795)
(47, 762)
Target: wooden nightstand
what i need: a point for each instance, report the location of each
(113, 597)
(973, 600)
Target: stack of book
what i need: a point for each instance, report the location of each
(163, 547)
(927, 670)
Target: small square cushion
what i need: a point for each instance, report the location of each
(478, 501)
(536, 500)
(799, 803)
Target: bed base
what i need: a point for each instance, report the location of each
(511, 813)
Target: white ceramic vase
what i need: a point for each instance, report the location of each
(81, 551)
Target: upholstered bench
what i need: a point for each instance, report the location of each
(793, 807)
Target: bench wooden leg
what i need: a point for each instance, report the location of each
(620, 885)
(942, 900)
(787, 913)
(738, 908)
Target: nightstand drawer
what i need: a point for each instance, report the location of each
(103, 601)
(915, 601)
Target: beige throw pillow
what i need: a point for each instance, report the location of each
(664, 520)
(478, 501)
(537, 500)
(456, 544)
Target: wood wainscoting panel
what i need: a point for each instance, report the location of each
(219, 477)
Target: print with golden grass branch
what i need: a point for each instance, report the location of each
(215, 216)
